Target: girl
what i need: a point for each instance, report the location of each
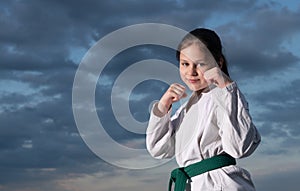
(212, 129)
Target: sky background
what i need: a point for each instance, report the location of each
(42, 43)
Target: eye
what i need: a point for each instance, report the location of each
(201, 64)
(185, 64)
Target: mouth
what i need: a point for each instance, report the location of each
(193, 81)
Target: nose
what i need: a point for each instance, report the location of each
(193, 70)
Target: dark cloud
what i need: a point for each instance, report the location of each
(282, 104)
(254, 43)
(278, 117)
(40, 145)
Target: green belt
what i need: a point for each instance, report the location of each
(180, 175)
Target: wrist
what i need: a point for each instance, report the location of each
(162, 107)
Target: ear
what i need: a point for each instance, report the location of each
(220, 63)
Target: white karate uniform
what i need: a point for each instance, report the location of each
(217, 122)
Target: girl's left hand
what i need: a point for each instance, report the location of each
(217, 77)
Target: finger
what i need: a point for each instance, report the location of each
(178, 86)
(175, 97)
(212, 73)
(178, 89)
(215, 76)
(184, 95)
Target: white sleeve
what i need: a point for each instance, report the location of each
(160, 137)
(238, 133)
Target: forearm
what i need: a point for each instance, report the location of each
(159, 135)
(239, 135)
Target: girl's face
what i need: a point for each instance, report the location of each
(193, 63)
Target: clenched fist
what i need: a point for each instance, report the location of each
(174, 93)
(217, 77)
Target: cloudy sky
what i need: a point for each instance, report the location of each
(43, 42)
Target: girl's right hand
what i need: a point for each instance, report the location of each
(174, 93)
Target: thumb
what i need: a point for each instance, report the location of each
(184, 95)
